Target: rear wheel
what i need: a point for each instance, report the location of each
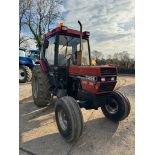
(25, 74)
(69, 118)
(40, 87)
(117, 106)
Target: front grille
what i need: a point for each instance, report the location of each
(107, 87)
(108, 71)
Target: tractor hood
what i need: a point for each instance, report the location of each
(93, 70)
(25, 61)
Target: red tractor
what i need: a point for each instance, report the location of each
(65, 71)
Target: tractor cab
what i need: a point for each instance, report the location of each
(68, 51)
(63, 46)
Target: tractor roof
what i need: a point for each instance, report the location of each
(66, 31)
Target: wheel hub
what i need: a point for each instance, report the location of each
(21, 74)
(112, 106)
(62, 119)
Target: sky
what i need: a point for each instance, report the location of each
(110, 23)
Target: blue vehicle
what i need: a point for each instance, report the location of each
(26, 63)
(34, 54)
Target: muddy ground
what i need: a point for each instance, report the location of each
(39, 134)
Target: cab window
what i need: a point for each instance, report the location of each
(49, 52)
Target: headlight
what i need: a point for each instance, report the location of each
(112, 79)
(102, 79)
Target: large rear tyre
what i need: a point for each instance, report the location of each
(25, 74)
(117, 106)
(40, 87)
(69, 118)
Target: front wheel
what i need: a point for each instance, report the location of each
(117, 106)
(69, 118)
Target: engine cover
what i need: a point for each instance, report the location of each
(95, 79)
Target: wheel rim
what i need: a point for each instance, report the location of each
(62, 119)
(112, 106)
(35, 87)
(21, 74)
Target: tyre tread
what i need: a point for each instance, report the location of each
(28, 74)
(43, 97)
(76, 117)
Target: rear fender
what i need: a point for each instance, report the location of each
(42, 64)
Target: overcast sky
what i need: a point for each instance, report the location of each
(110, 22)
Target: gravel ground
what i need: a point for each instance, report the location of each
(39, 134)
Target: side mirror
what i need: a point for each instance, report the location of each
(46, 44)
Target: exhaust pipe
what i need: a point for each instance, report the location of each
(79, 54)
(80, 35)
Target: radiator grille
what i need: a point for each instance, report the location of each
(108, 71)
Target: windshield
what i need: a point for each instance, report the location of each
(34, 54)
(69, 47)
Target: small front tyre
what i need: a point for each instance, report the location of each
(69, 118)
(117, 106)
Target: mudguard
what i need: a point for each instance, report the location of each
(42, 64)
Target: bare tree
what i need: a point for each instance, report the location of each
(109, 57)
(22, 10)
(38, 16)
(23, 38)
(125, 58)
(96, 54)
